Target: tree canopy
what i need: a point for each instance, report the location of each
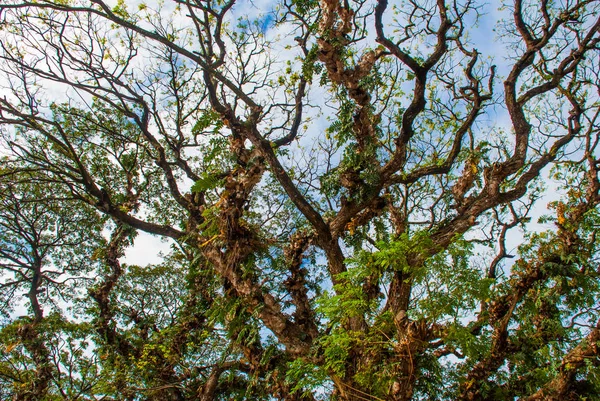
(363, 200)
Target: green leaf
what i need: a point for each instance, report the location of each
(206, 183)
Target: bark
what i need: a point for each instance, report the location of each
(562, 386)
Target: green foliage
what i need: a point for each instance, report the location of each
(206, 183)
(207, 119)
(452, 285)
(305, 377)
(75, 369)
(303, 7)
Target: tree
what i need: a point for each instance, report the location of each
(45, 251)
(342, 183)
